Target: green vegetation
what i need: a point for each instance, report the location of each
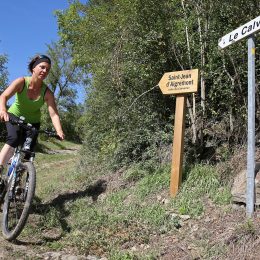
(113, 213)
(3, 72)
(3, 84)
(124, 48)
(201, 180)
(112, 198)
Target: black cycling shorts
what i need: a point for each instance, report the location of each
(17, 135)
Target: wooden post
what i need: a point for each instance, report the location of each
(179, 83)
(178, 144)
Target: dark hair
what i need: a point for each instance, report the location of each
(38, 59)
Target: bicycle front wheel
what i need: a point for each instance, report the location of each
(18, 200)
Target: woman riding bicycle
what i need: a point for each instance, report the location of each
(30, 95)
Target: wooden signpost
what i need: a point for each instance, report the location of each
(178, 83)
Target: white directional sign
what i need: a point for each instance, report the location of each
(240, 33)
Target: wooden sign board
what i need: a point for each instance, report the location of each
(179, 82)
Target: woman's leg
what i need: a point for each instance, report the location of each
(12, 140)
(5, 155)
(30, 140)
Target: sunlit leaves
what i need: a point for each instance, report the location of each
(127, 45)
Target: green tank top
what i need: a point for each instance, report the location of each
(28, 108)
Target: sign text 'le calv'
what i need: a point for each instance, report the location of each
(243, 31)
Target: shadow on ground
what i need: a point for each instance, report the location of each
(58, 203)
(41, 148)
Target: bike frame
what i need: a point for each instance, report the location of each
(12, 169)
(18, 199)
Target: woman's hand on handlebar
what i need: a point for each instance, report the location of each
(4, 116)
(61, 135)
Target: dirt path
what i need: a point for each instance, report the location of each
(34, 248)
(28, 250)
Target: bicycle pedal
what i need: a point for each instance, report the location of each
(21, 168)
(2, 195)
(2, 185)
(18, 190)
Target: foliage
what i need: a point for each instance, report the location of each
(63, 79)
(114, 124)
(3, 84)
(3, 72)
(64, 74)
(126, 46)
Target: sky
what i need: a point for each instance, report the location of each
(26, 27)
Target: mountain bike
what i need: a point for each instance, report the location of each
(19, 184)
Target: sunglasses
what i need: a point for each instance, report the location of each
(44, 57)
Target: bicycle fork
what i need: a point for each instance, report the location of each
(12, 174)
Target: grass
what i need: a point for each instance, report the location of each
(201, 181)
(56, 170)
(123, 217)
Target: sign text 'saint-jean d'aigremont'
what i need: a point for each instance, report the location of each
(176, 77)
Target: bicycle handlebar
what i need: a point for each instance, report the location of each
(20, 121)
(49, 133)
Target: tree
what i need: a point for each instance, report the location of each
(127, 46)
(64, 79)
(64, 75)
(3, 72)
(3, 84)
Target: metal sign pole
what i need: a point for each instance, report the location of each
(247, 31)
(250, 197)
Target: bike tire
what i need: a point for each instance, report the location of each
(16, 208)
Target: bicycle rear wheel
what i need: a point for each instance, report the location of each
(18, 200)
